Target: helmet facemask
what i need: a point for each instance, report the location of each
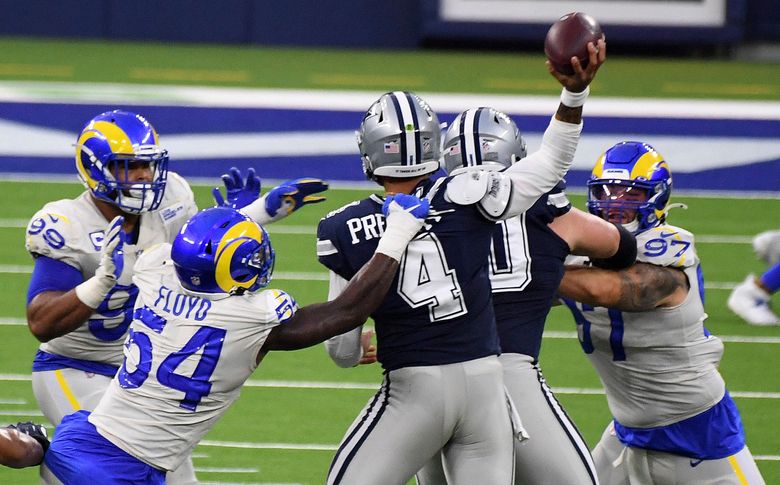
(630, 185)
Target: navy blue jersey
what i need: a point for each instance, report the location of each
(439, 309)
(526, 268)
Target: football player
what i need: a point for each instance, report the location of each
(750, 299)
(79, 304)
(23, 444)
(526, 265)
(643, 330)
(436, 334)
(200, 328)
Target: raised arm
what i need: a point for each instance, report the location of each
(365, 291)
(541, 170)
(641, 287)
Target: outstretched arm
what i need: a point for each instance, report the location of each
(541, 170)
(366, 290)
(607, 245)
(641, 287)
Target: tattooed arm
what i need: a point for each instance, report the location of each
(641, 287)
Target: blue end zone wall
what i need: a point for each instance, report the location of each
(170, 121)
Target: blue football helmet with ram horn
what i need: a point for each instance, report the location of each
(220, 250)
(400, 137)
(109, 148)
(482, 138)
(630, 184)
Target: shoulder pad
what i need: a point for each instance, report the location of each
(499, 192)
(490, 190)
(468, 187)
(51, 233)
(667, 246)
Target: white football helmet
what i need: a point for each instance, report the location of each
(399, 137)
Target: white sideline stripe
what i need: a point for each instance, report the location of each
(12, 401)
(740, 339)
(166, 95)
(269, 446)
(225, 470)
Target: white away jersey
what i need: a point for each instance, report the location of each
(186, 358)
(71, 231)
(658, 367)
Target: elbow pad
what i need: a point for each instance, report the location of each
(625, 255)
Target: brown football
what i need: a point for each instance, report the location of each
(568, 37)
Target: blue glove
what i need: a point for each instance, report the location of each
(292, 195)
(239, 193)
(408, 203)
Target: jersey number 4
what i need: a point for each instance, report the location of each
(194, 387)
(425, 278)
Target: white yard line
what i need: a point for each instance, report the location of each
(225, 470)
(322, 276)
(370, 386)
(293, 229)
(324, 447)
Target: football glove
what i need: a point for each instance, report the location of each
(35, 431)
(112, 261)
(239, 193)
(405, 215)
(292, 195)
(285, 199)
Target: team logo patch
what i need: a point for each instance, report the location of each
(96, 238)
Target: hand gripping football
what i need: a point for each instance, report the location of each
(568, 37)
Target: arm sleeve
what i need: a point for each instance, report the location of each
(542, 170)
(345, 349)
(52, 275)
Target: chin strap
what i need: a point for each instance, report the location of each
(678, 205)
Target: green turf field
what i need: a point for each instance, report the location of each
(286, 424)
(290, 417)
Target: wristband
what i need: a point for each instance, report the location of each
(398, 233)
(574, 100)
(93, 291)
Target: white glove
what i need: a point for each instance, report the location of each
(112, 261)
(405, 215)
